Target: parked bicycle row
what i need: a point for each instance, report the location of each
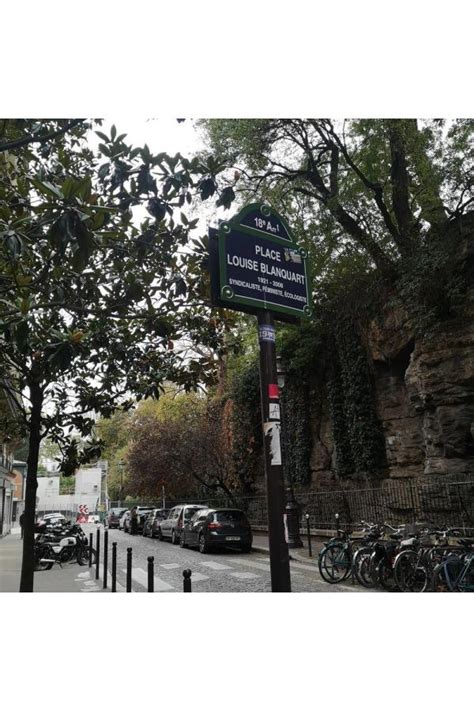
(418, 558)
(189, 525)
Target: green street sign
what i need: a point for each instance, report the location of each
(258, 266)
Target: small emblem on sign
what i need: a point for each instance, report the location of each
(266, 333)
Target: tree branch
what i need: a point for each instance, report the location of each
(39, 139)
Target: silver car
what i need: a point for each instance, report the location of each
(172, 526)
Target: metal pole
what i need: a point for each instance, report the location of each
(310, 551)
(151, 580)
(129, 570)
(98, 555)
(187, 580)
(106, 553)
(114, 567)
(91, 538)
(270, 402)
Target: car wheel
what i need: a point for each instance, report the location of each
(174, 538)
(246, 548)
(203, 544)
(182, 542)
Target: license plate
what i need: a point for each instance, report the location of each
(232, 538)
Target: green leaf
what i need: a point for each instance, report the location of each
(113, 132)
(207, 188)
(102, 136)
(47, 188)
(226, 198)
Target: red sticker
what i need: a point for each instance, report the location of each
(273, 391)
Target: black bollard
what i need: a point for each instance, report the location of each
(129, 570)
(114, 567)
(310, 551)
(91, 538)
(151, 579)
(97, 552)
(106, 554)
(187, 580)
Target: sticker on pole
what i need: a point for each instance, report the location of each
(273, 391)
(273, 411)
(271, 431)
(266, 333)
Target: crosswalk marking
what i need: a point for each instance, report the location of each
(216, 566)
(141, 577)
(169, 566)
(243, 575)
(252, 564)
(197, 577)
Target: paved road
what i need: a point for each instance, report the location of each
(220, 571)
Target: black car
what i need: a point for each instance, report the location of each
(212, 528)
(153, 520)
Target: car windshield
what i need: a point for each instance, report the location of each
(234, 516)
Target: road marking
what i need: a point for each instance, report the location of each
(252, 564)
(169, 566)
(141, 577)
(247, 576)
(197, 577)
(216, 566)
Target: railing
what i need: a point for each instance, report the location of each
(394, 501)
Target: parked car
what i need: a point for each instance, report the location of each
(171, 526)
(125, 514)
(212, 528)
(114, 516)
(152, 522)
(143, 512)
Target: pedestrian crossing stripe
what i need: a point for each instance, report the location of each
(244, 575)
(216, 566)
(141, 577)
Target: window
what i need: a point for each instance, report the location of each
(230, 516)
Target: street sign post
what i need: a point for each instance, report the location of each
(256, 267)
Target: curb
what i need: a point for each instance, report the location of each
(292, 556)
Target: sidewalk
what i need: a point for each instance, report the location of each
(261, 545)
(70, 578)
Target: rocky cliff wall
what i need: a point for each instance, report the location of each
(424, 392)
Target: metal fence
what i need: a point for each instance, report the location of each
(441, 502)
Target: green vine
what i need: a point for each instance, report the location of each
(358, 434)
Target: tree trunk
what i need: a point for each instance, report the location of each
(28, 563)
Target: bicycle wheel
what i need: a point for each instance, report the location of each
(410, 574)
(334, 563)
(439, 581)
(384, 575)
(361, 565)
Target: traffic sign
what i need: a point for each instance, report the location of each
(257, 265)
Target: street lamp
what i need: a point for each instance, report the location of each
(292, 508)
(120, 468)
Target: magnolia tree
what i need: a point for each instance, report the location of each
(92, 300)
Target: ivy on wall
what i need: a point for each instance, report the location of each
(246, 425)
(358, 434)
(296, 430)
